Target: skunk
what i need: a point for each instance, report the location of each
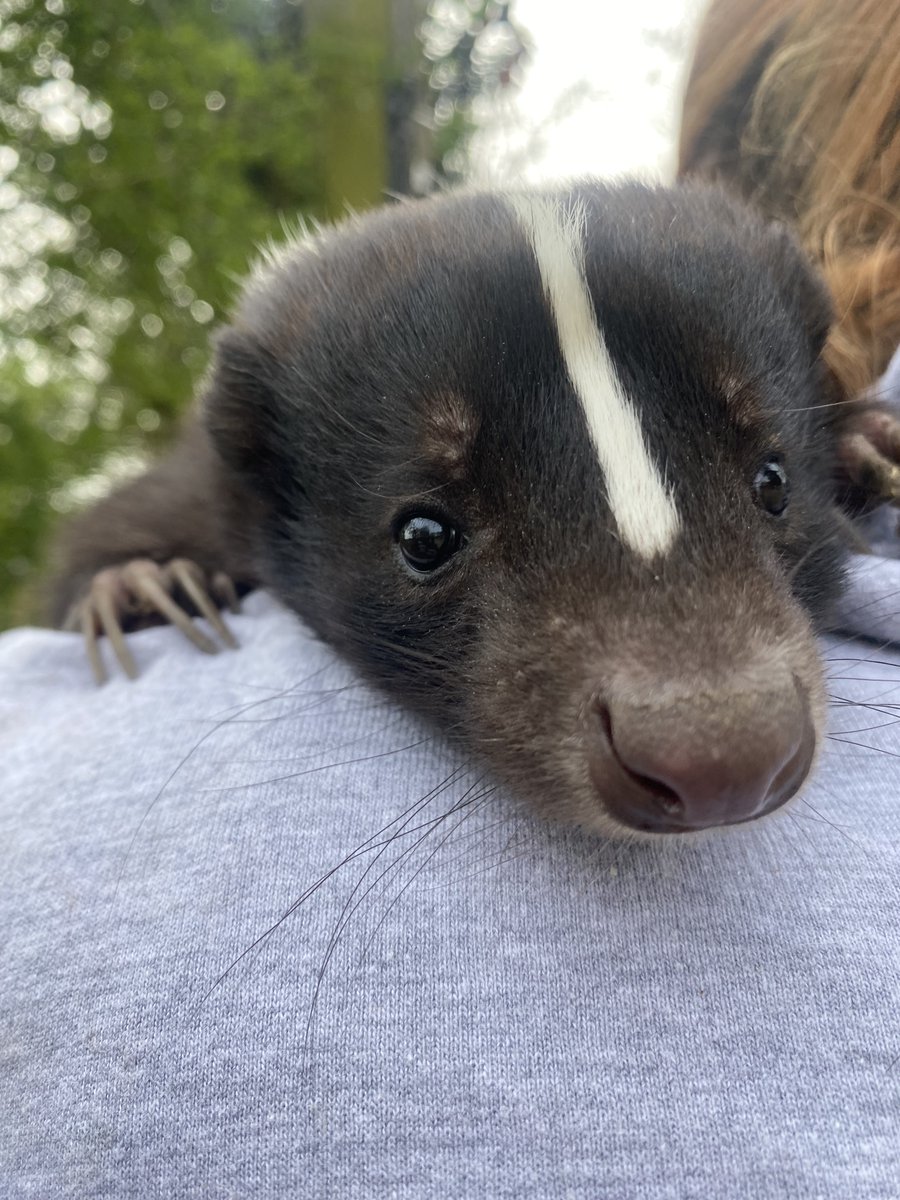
(557, 469)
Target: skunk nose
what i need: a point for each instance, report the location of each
(678, 766)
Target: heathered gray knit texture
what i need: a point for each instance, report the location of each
(484, 1006)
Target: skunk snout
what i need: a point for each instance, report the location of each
(665, 761)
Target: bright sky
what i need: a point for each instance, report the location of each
(599, 95)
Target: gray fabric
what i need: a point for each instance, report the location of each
(512, 1009)
(871, 605)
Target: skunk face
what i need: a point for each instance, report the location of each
(551, 468)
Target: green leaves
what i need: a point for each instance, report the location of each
(148, 149)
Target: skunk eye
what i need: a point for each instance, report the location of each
(426, 543)
(770, 487)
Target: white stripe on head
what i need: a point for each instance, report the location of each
(642, 505)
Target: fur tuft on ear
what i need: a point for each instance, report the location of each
(800, 285)
(243, 414)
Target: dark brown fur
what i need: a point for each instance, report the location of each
(408, 364)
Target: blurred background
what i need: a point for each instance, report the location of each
(147, 147)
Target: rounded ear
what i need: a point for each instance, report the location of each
(800, 285)
(240, 411)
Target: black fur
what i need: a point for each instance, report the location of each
(408, 364)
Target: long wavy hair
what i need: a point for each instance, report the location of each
(795, 104)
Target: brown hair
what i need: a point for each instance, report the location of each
(796, 105)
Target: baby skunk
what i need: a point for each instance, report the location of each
(554, 469)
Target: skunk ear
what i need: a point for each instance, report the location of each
(801, 286)
(241, 414)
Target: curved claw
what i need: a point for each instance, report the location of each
(870, 469)
(189, 576)
(141, 592)
(89, 633)
(869, 452)
(113, 630)
(225, 592)
(146, 583)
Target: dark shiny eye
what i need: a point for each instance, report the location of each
(426, 542)
(771, 490)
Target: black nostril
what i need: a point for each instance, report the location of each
(604, 716)
(665, 798)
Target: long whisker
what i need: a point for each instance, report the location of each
(352, 903)
(187, 757)
(367, 846)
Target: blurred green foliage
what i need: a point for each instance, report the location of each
(475, 50)
(149, 147)
(146, 148)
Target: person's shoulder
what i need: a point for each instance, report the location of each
(43, 666)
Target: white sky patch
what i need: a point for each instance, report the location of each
(641, 504)
(599, 95)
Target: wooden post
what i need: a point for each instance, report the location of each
(369, 62)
